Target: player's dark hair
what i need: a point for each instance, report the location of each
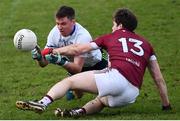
(65, 11)
(126, 18)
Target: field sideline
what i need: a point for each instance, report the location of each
(22, 79)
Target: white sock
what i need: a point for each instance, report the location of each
(45, 100)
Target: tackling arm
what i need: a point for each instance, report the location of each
(160, 83)
(74, 49)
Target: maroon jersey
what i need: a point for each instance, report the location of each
(128, 53)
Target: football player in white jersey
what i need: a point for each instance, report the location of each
(67, 31)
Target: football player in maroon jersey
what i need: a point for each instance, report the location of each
(116, 86)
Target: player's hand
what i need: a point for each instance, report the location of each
(46, 51)
(56, 59)
(168, 107)
(36, 53)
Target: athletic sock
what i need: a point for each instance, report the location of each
(80, 111)
(83, 110)
(46, 100)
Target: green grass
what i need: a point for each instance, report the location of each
(21, 78)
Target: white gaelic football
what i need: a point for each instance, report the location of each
(25, 40)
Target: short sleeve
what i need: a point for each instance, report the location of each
(83, 38)
(152, 55)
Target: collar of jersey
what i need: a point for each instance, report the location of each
(66, 38)
(73, 30)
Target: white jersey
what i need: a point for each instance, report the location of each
(79, 35)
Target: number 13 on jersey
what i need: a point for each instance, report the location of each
(136, 43)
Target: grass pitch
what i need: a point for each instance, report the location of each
(22, 79)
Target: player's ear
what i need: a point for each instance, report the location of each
(73, 20)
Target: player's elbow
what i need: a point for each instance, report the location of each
(77, 50)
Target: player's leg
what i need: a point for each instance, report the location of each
(95, 105)
(82, 81)
(121, 98)
(114, 90)
(71, 94)
(91, 107)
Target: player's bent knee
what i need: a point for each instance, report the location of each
(103, 100)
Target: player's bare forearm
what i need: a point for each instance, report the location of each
(76, 66)
(163, 91)
(67, 50)
(159, 81)
(73, 50)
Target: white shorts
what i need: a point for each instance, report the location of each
(116, 87)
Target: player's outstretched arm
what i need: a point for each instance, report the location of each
(160, 83)
(74, 49)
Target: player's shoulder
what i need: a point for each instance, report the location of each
(81, 29)
(105, 36)
(142, 38)
(78, 25)
(82, 32)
